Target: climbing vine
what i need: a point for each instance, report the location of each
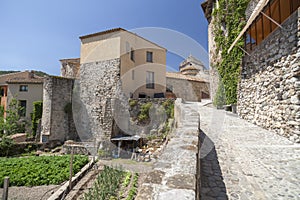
(36, 116)
(229, 21)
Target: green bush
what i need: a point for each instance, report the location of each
(144, 112)
(36, 115)
(13, 123)
(6, 146)
(220, 98)
(132, 103)
(169, 107)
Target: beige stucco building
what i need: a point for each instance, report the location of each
(142, 63)
(25, 87)
(113, 65)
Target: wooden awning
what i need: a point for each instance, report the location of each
(259, 7)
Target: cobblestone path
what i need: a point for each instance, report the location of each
(243, 161)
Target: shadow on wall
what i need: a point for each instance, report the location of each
(212, 185)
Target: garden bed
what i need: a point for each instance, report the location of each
(39, 170)
(114, 184)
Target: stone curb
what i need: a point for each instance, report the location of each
(64, 190)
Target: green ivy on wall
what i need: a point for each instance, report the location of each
(229, 20)
(36, 115)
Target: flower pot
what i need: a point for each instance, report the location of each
(233, 108)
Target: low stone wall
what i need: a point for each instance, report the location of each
(19, 148)
(75, 148)
(269, 94)
(189, 90)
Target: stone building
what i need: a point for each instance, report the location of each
(57, 119)
(113, 65)
(207, 7)
(26, 87)
(269, 89)
(191, 83)
(70, 68)
(142, 63)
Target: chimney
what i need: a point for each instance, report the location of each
(31, 74)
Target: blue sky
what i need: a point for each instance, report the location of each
(35, 34)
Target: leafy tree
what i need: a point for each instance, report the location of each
(36, 115)
(12, 123)
(220, 98)
(6, 145)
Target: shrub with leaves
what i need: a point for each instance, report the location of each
(169, 108)
(13, 123)
(36, 115)
(220, 98)
(144, 112)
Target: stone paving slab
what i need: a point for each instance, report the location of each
(240, 160)
(174, 173)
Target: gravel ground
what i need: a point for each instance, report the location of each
(30, 193)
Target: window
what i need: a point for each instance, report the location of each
(22, 104)
(132, 54)
(142, 95)
(127, 47)
(132, 74)
(23, 88)
(1, 92)
(150, 80)
(149, 56)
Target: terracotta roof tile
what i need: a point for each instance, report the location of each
(177, 75)
(21, 77)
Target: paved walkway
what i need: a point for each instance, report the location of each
(173, 175)
(243, 161)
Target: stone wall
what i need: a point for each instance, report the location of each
(70, 68)
(269, 91)
(214, 58)
(57, 121)
(189, 90)
(99, 83)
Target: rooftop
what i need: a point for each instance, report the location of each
(178, 75)
(21, 77)
(191, 59)
(72, 60)
(115, 30)
(102, 33)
